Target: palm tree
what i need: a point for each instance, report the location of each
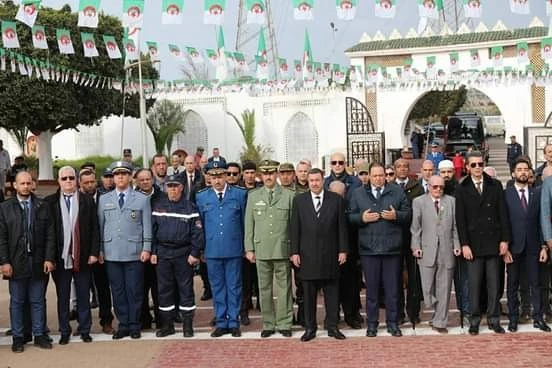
(165, 121)
(250, 151)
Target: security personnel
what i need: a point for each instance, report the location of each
(124, 216)
(222, 210)
(286, 174)
(177, 243)
(267, 244)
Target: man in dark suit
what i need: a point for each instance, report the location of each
(78, 247)
(318, 234)
(527, 248)
(193, 182)
(483, 231)
(217, 160)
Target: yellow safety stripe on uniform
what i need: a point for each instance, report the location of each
(186, 308)
(166, 309)
(174, 214)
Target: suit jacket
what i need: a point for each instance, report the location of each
(525, 226)
(432, 231)
(267, 224)
(197, 185)
(318, 240)
(546, 208)
(88, 226)
(124, 232)
(482, 219)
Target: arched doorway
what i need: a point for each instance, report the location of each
(195, 133)
(301, 139)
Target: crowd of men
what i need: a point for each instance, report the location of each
(251, 229)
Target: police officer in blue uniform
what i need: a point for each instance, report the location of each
(176, 247)
(222, 209)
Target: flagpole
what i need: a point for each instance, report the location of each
(142, 107)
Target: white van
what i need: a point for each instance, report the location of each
(494, 126)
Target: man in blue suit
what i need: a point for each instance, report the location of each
(526, 248)
(222, 209)
(435, 155)
(125, 244)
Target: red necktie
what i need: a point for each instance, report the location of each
(523, 200)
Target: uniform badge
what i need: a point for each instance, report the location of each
(198, 224)
(133, 215)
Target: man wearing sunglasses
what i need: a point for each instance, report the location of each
(483, 230)
(233, 173)
(337, 162)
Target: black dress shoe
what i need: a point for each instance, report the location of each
(86, 337)
(165, 331)
(48, 337)
(18, 347)
(353, 323)
(8, 332)
(541, 325)
(73, 315)
(117, 335)
(394, 330)
(372, 332)
(336, 334)
(64, 339)
(513, 326)
(135, 335)
(267, 333)
(497, 328)
(219, 331)
(213, 322)
(27, 338)
(42, 342)
(244, 319)
(285, 333)
(308, 335)
(206, 295)
(474, 330)
(235, 332)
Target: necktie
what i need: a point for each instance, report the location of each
(190, 181)
(436, 203)
(478, 187)
(26, 225)
(68, 202)
(378, 192)
(270, 197)
(220, 196)
(523, 200)
(403, 184)
(425, 188)
(121, 200)
(318, 205)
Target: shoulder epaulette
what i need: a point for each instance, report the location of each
(203, 190)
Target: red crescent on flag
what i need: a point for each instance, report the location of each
(430, 4)
(30, 9)
(346, 4)
(89, 44)
(547, 48)
(386, 4)
(134, 12)
(39, 35)
(89, 11)
(130, 47)
(304, 7)
(173, 9)
(284, 67)
(215, 9)
(298, 67)
(474, 4)
(257, 8)
(153, 50)
(111, 46)
(9, 33)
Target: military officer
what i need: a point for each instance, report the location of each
(267, 244)
(222, 210)
(286, 175)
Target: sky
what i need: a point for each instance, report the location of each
(328, 45)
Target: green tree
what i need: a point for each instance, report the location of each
(250, 151)
(437, 105)
(46, 108)
(165, 120)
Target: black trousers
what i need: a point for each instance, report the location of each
(175, 277)
(349, 288)
(331, 302)
(104, 293)
(529, 266)
(150, 285)
(490, 265)
(249, 270)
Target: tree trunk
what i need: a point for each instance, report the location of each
(45, 166)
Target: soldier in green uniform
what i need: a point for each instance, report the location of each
(286, 174)
(267, 218)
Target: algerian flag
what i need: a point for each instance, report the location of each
(302, 9)
(241, 64)
(472, 8)
(194, 55)
(230, 59)
(39, 37)
(284, 67)
(497, 54)
(475, 59)
(88, 13)
(520, 6)
(175, 51)
(129, 45)
(65, 44)
(522, 52)
(172, 12)
(261, 46)
(430, 8)
(307, 53)
(431, 70)
(153, 50)
(28, 11)
(256, 12)
(9, 35)
(222, 69)
(340, 74)
(89, 45)
(298, 67)
(318, 73)
(327, 70)
(262, 67)
(213, 11)
(133, 13)
(346, 9)
(112, 47)
(546, 48)
(454, 58)
(212, 56)
(308, 70)
(385, 8)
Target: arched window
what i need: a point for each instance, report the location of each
(301, 139)
(195, 134)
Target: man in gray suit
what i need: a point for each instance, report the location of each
(435, 244)
(125, 244)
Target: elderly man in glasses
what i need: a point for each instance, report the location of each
(435, 244)
(484, 234)
(337, 162)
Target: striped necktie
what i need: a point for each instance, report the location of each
(318, 205)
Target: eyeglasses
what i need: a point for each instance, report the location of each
(440, 187)
(65, 178)
(475, 164)
(337, 162)
(232, 173)
(389, 174)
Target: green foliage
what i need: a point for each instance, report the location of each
(102, 162)
(250, 151)
(435, 105)
(165, 121)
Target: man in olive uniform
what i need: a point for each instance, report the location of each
(267, 217)
(287, 176)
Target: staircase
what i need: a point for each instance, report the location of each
(497, 159)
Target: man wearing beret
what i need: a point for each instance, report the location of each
(286, 174)
(222, 209)
(125, 244)
(267, 244)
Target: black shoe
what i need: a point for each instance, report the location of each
(219, 331)
(497, 328)
(213, 322)
(308, 335)
(48, 337)
(372, 332)
(235, 332)
(73, 315)
(135, 335)
(244, 319)
(207, 295)
(513, 326)
(394, 330)
(267, 333)
(353, 323)
(474, 330)
(86, 337)
(42, 342)
(117, 335)
(8, 332)
(165, 331)
(285, 333)
(27, 338)
(187, 328)
(18, 346)
(336, 334)
(64, 339)
(541, 325)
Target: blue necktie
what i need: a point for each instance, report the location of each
(121, 200)
(27, 224)
(68, 202)
(378, 192)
